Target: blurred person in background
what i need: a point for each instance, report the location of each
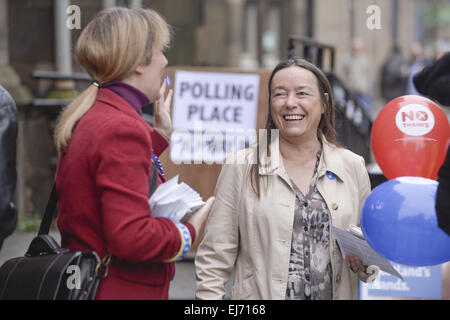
(358, 74)
(434, 82)
(8, 173)
(416, 63)
(394, 75)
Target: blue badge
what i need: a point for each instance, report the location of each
(330, 175)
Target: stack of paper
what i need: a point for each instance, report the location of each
(174, 200)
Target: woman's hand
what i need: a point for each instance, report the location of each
(199, 218)
(163, 119)
(355, 263)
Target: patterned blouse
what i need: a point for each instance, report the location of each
(310, 275)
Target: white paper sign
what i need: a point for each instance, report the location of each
(212, 114)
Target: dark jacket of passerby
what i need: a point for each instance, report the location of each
(443, 195)
(434, 82)
(394, 76)
(8, 175)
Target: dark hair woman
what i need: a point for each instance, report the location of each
(279, 237)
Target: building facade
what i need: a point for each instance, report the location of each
(244, 34)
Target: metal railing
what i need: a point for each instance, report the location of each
(53, 75)
(312, 50)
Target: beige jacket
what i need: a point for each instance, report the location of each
(254, 236)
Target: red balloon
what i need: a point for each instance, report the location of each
(410, 137)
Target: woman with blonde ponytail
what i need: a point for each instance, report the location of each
(107, 153)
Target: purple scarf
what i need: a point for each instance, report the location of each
(135, 97)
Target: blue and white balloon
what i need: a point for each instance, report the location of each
(399, 222)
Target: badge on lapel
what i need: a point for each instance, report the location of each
(330, 175)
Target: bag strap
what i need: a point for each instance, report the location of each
(153, 181)
(50, 211)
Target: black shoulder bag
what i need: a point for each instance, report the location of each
(49, 272)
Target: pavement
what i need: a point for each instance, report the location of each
(182, 286)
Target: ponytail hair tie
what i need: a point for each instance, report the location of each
(97, 83)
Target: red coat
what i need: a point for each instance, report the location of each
(102, 183)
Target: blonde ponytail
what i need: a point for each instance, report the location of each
(111, 47)
(72, 114)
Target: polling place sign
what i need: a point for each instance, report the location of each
(213, 114)
(419, 282)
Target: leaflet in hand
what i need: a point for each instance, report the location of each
(353, 242)
(174, 200)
